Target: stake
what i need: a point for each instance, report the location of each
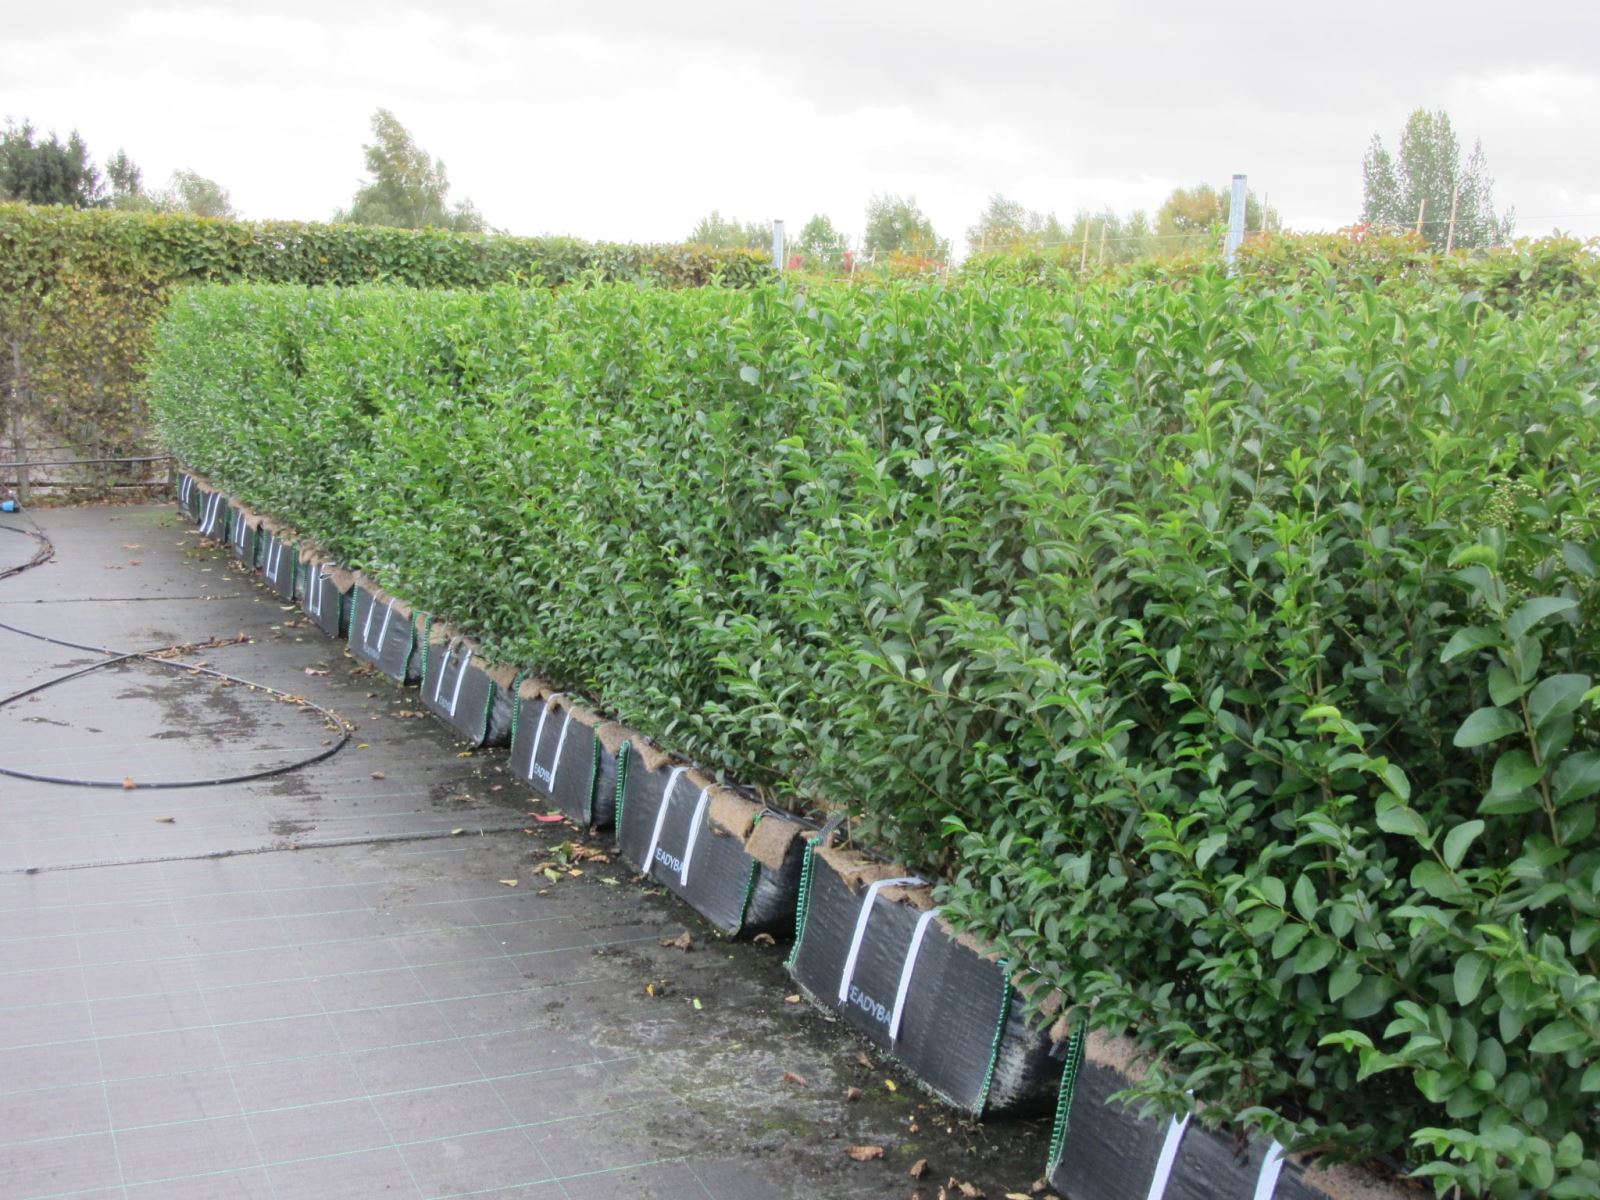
(1450, 238)
(1083, 259)
(1103, 243)
(1422, 210)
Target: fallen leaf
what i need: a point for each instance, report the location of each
(918, 1168)
(913, 1127)
(861, 1057)
(795, 999)
(891, 1085)
(362, 746)
(132, 546)
(697, 1005)
(464, 754)
(167, 820)
(128, 784)
(864, 1153)
(510, 882)
(764, 939)
(547, 818)
(854, 1094)
(315, 671)
(1040, 1187)
(1018, 1196)
(552, 875)
(966, 1191)
(133, 562)
(797, 1080)
(457, 832)
(379, 775)
(574, 871)
(682, 942)
(610, 882)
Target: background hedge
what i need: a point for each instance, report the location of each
(81, 290)
(1225, 646)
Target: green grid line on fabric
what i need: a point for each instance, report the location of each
(427, 640)
(355, 619)
(1007, 992)
(803, 906)
(488, 705)
(1069, 1087)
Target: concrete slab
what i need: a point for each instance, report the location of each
(318, 984)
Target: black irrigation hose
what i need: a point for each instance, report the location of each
(46, 552)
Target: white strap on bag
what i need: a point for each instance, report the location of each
(848, 974)
(461, 674)
(661, 818)
(694, 835)
(906, 968)
(1168, 1158)
(1271, 1168)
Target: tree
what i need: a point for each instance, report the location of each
(895, 223)
(192, 192)
(127, 183)
(727, 233)
(1422, 180)
(823, 246)
(1007, 225)
(407, 189)
(47, 171)
(1194, 218)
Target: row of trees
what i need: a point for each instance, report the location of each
(39, 169)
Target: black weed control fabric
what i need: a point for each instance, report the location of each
(323, 598)
(664, 828)
(243, 535)
(894, 973)
(213, 515)
(563, 759)
(280, 565)
(1105, 1151)
(458, 691)
(189, 497)
(384, 633)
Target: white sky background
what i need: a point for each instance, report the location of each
(627, 120)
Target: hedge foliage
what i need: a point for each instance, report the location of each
(81, 290)
(1227, 649)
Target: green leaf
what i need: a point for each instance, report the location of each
(1466, 641)
(1514, 773)
(1591, 1079)
(1344, 978)
(1305, 897)
(1458, 840)
(1471, 972)
(1577, 778)
(1558, 1037)
(1486, 725)
(1315, 953)
(750, 374)
(1555, 697)
(1536, 609)
(1397, 818)
(1504, 689)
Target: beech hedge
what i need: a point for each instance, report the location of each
(82, 289)
(1226, 650)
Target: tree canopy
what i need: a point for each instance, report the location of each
(40, 170)
(729, 233)
(822, 246)
(896, 224)
(408, 189)
(1420, 181)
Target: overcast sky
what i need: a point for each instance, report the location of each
(629, 119)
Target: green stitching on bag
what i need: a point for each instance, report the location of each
(624, 756)
(1006, 993)
(516, 704)
(804, 906)
(594, 778)
(427, 640)
(1069, 1087)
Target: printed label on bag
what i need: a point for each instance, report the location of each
(666, 860)
(868, 1005)
(535, 771)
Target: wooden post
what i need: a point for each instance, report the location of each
(1083, 259)
(1103, 225)
(1450, 237)
(1422, 211)
(20, 447)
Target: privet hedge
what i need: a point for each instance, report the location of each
(80, 291)
(1226, 650)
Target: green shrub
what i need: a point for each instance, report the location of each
(1227, 650)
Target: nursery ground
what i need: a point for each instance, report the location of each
(323, 983)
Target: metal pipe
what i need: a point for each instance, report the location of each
(84, 462)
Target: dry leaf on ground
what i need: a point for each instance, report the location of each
(918, 1168)
(864, 1153)
(682, 942)
(791, 1077)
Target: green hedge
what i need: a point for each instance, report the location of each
(80, 291)
(1225, 649)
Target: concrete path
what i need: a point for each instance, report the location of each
(321, 985)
